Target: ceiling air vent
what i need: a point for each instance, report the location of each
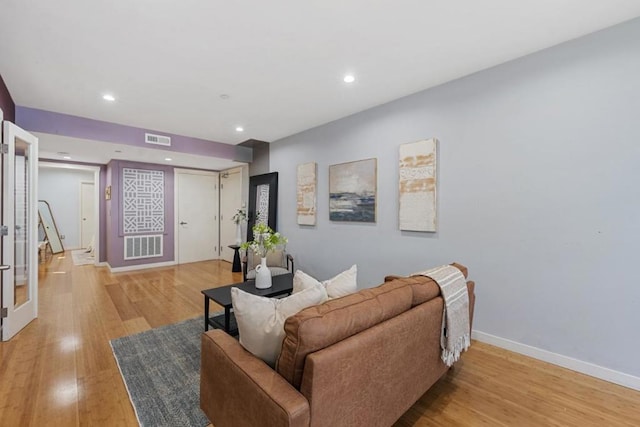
(150, 138)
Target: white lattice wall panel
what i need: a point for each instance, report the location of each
(262, 204)
(136, 247)
(143, 200)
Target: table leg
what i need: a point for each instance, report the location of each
(227, 318)
(206, 313)
(236, 267)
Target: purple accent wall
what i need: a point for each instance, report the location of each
(114, 219)
(34, 120)
(6, 102)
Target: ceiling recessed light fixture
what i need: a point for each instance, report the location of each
(168, 159)
(108, 97)
(239, 129)
(224, 96)
(349, 78)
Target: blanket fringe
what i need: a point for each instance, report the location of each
(449, 357)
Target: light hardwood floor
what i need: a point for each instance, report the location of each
(60, 371)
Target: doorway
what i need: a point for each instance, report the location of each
(196, 216)
(73, 190)
(87, 214)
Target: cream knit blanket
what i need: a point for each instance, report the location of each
(454, 338)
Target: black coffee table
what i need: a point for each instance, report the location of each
(281, 285)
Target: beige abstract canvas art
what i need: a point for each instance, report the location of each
(307, 181)
(417, 204)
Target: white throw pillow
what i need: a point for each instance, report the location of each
(343, 284)
(261, 320)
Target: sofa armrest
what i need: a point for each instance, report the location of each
(238, 389)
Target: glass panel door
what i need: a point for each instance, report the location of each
(21, 226)
(19, 216)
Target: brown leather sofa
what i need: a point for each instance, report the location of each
(360, 360)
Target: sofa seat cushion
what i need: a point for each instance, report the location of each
(317, 327)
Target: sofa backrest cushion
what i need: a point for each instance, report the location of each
(317, 327)
(424, 288)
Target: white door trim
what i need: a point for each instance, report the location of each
(96, 197)
(225, 223)
(176, 206)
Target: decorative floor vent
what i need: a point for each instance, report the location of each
(136, 247)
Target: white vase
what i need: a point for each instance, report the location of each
(238, 234)
(263, 275)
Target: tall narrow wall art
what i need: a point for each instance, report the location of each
(353, 191)
(306, 196)
(143, 200)
(417, 204)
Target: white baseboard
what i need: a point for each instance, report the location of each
(586, 368)
(140, 267)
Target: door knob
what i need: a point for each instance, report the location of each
(4, 267)
(183, 223)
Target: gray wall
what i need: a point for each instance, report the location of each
(260, 157)
(538, 195)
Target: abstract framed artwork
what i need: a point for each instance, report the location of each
(417, 192)
(307, 182)
(353, 191)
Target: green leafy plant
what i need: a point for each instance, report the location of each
(240, 216)
(264, 240)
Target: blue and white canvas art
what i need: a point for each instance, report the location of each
(352, 191)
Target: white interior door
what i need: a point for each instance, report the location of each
(196, 195)
(230, 202)
(87, 214)
(19, 216)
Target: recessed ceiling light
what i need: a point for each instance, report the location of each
(67, 157)
(118, 151)
(239, 129)
(224, 96)
(168, 159)
(349, 78)
(108, 97)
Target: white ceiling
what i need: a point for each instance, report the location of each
(281, 61)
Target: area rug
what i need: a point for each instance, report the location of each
(161, 370)
(82, 257)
